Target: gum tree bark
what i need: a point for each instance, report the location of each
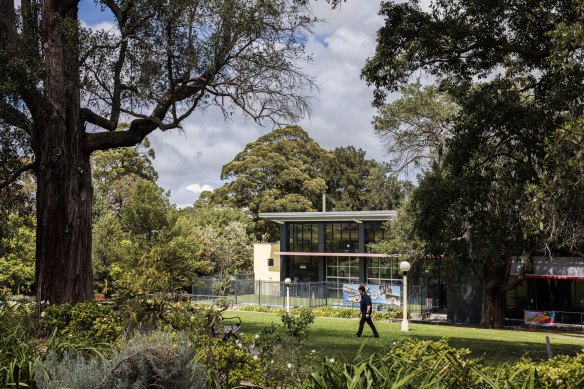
(64, 192)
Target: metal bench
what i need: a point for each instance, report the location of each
(227, 327)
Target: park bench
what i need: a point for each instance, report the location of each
(226, 327)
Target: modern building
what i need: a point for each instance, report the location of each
(332, 247)
(549, 284)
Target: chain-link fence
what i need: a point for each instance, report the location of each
(257, 292)
(244, 291)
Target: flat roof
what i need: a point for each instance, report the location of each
(354, 216)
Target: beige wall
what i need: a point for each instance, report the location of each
(261, 253)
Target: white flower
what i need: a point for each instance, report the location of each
(332, 360)
(289, 366)
(272, 361)
(257, 336)
(313, 351)
(255, 357)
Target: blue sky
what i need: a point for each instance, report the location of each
(92, 14)
(191, 160)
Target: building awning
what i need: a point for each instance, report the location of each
(317, 254)
(559, 268)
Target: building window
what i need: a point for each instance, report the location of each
(303, 237)
(341, 237)
(374, 232)
(339, 271)
(304, 269)
(383, 271)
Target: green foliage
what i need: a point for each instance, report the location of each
(402, 237)
(146, 212)
(416, 127)
(297, 323)
(355, 183)
(261, 308)
(555, 212)
(560, 371)
(160, 360)
(86, 323)
(18, 346)
(114, 172)
(266, 341)
(406, 364)
(17, 255)
(514, 82)
(287, 171)
(345, 313)
(229, 363)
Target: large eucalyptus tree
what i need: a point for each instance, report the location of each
(65, 89)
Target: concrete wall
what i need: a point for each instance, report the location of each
(261, 253)
(465, 296)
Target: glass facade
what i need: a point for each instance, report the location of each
(339, 271)
(545, 294)
(374, 232)
(339, 237)
(383, 271)
(303, 237)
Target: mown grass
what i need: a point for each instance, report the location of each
(334, 338)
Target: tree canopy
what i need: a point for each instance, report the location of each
(287, 171)
(416, 126)
(64, 90)
(514, 69)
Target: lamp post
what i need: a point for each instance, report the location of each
(404, 266)
(287, 281)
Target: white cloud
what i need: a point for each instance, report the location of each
(341, 111)
(198, 189)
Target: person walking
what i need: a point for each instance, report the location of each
(366, 311)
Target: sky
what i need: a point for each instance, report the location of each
(190, 161)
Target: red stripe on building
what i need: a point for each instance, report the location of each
(548, 277)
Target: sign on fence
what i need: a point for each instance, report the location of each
(380, 294)
(540, 318)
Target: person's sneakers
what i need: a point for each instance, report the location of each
(376, 336)
(357, 336)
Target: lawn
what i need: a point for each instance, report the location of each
(332, 337)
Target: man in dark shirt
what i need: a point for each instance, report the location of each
(366, 310)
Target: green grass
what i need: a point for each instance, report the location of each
(334, 338)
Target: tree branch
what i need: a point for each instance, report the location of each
(15, 174)
(15, 118)
(93, 118)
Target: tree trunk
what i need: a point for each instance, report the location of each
(64, 193)
(496, 273)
